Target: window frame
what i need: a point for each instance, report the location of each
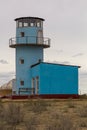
(22, 82)
(25, 24)
(20, 24)
(37, 85)
(33, 85)
(21, 61)
(22, 34)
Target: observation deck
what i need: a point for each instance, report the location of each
(29, 41)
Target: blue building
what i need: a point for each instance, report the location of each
(33, 76)
(52, 80)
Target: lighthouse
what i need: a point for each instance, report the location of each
(29, 44)
(34, 77)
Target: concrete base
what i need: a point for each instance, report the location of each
(50, 96)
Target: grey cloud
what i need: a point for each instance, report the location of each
(78, 54)
(83, 82)
(3, 61)
(83, 74)
(66, 62)
(6, 74)
(57, 51)
(60, 62)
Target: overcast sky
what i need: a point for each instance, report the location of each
(65, 23)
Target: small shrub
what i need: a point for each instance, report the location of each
(1, 110)
(31, 123)
(38, 106)
(65, 110)
(54, 115)
(2, 126)
(53, 126)
(71, 103)
(66, 123)
(83, 111)
(83, 123)
(13, 115)
(83, 96)
(63, 123)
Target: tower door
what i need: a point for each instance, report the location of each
(40, 37)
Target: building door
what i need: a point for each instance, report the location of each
(33, 85)
(40, 37)
(37, 86)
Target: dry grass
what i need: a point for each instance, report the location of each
(4, 92)
(43, 114)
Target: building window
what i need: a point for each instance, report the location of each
(21, 61)
(22, 34)
(20, 24)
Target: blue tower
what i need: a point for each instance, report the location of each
(29, 44)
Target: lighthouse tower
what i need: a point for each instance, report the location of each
(29, 44)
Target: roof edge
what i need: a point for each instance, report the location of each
(29, 18)
(54, 64)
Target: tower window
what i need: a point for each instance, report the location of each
(21, 61)
(25, 24)
(20, 24)
(22, 34)
(38, 24)
(31, 24)
(22, 83)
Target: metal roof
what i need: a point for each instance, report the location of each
(54, 64)
(29, 18)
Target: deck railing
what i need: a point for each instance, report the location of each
(29, 40)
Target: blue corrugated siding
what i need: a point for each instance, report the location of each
(30, 35)
(31, 55)
(57, 79)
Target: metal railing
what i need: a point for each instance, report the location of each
(29, 40)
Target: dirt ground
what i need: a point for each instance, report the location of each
(42, 114)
